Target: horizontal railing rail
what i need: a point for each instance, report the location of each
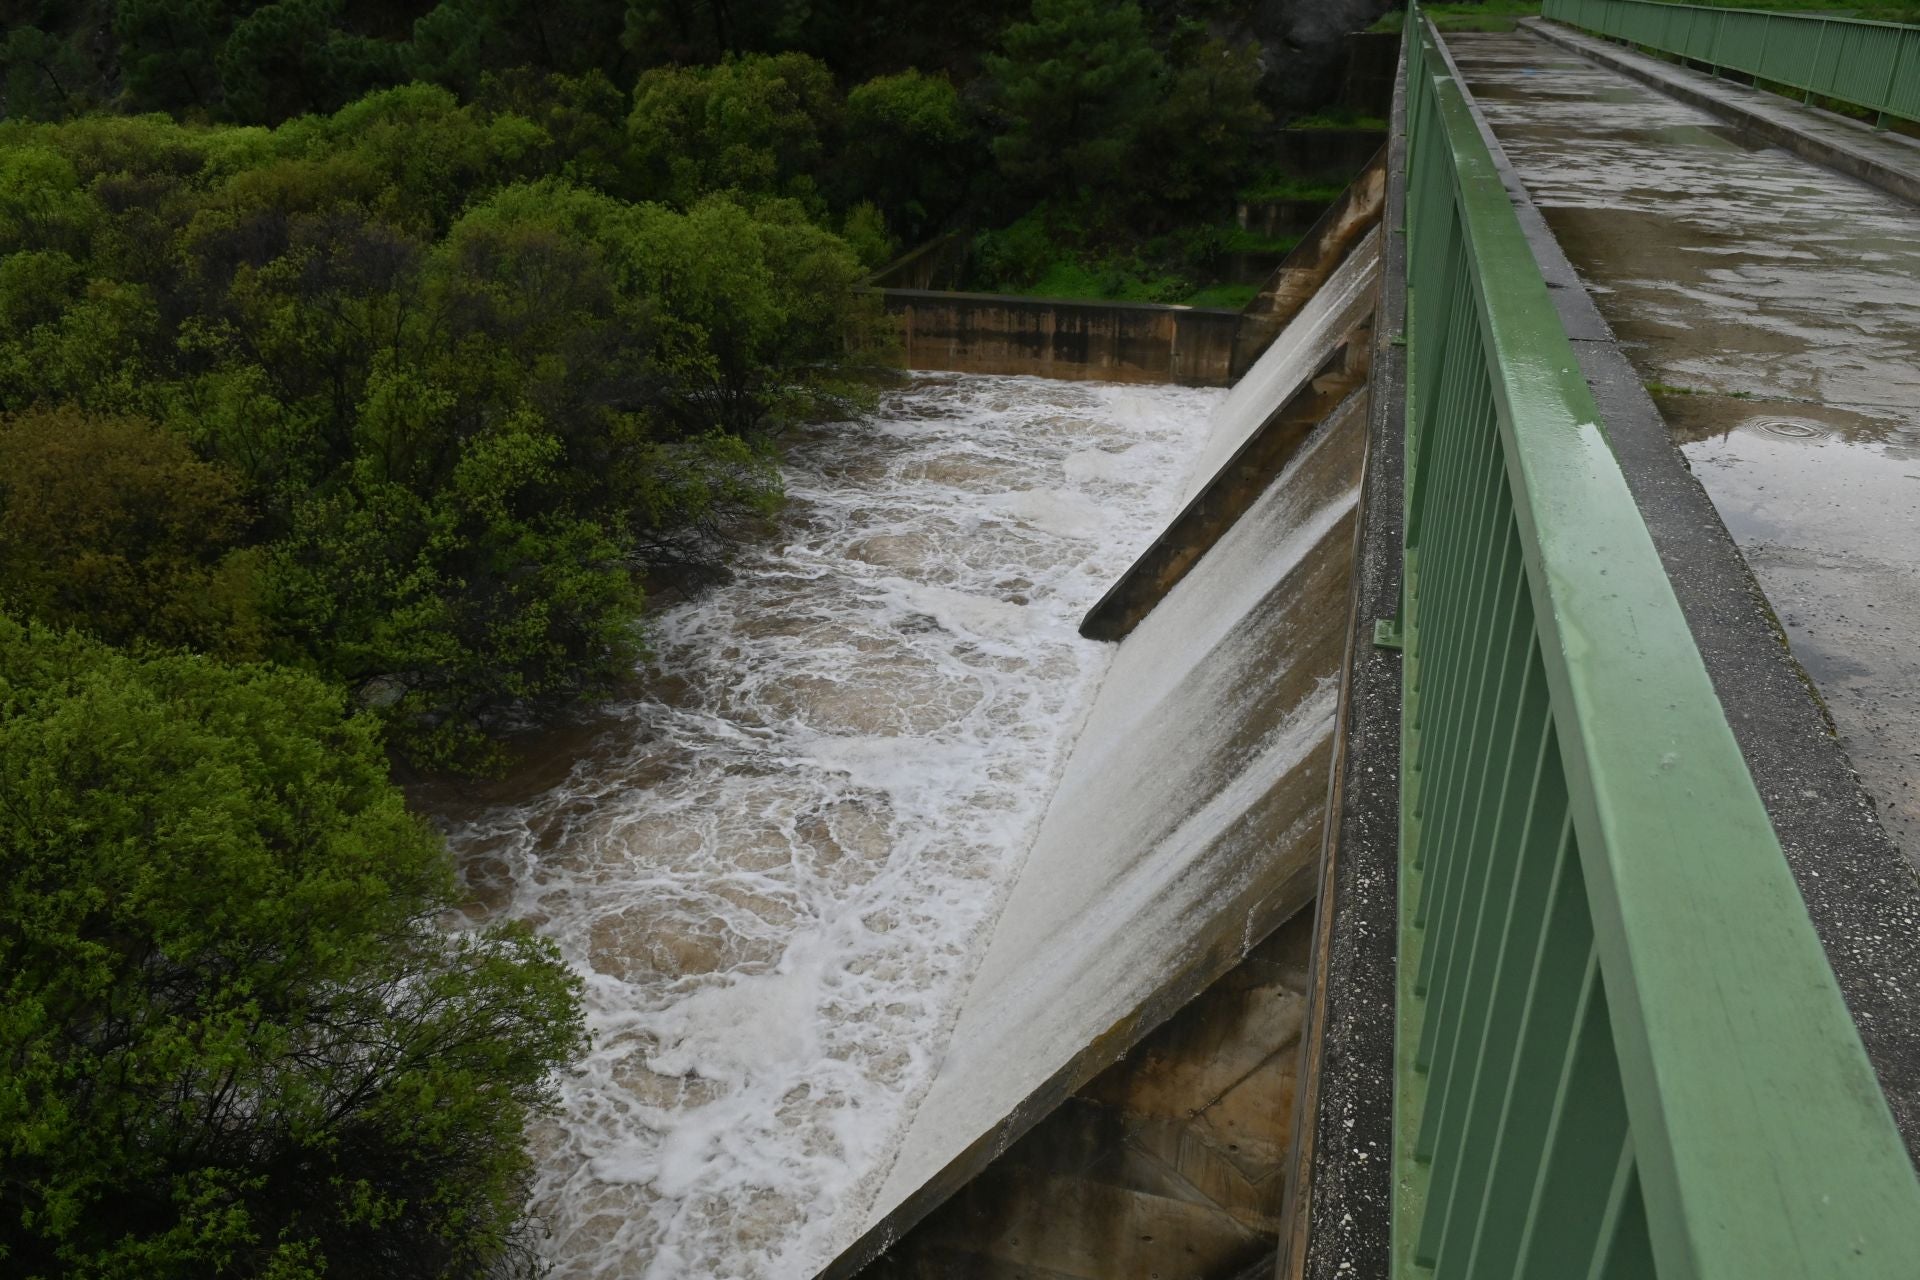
(1620, 1049)
(1871, 65)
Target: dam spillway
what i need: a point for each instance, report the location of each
(1187, 823)
(778, 866)
(889, 859)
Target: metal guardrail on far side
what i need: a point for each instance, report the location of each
(1620, 1050)
(1873, 65)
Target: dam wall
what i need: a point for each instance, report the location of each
(1187, 824)
(1134, 342)
(1065, 338)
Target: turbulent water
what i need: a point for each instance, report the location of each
(1186, 824)
(777, 869)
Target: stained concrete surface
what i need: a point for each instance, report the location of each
(1774, 309)
(1171, 1163)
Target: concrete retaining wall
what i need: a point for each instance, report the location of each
(1064, 338)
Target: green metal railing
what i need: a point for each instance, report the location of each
(1620, 1050)
(1875, 65)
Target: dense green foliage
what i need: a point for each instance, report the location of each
(234, 1037)
(259, 61)
(405, 413)
(1105, 121)
(114, 524)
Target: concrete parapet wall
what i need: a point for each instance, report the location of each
(1065, 338)
(1884, 160)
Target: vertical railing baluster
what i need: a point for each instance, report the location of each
(1470, 1127)
(1629, 1246)
(1462, 996)
(1447, 692)
(1554, 976)
(1584, 1139)
(1453, 449)
(1484, 728)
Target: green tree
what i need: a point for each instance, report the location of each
(757, 313)
(691, 31)
(459, 41)
(1203, 134)
(909, 149)
(292, 56)
(423, 155)
(583, 120)
(42, 204)
(756, 125)
(45, 77)
(236, 1038)
(1076, 84)
(471, 598)
(167, 48)
(36, 286)
(114, 526)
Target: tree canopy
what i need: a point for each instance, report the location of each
(364, 394)
(236, 1038)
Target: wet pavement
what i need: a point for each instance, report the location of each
(1773, 308)
(1881, 157)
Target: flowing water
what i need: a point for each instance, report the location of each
(778, 867)
(1187, 822)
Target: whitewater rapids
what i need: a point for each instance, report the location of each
(778, 868)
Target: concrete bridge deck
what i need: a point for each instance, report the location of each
(1773, 307)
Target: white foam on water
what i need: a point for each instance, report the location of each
(1182, 792)
(777, 874)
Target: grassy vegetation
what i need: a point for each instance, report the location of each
(1234, 297)
(1184, 268)
(1114, 280)
(1058, 256)
(1274, 186)
(1093, 284)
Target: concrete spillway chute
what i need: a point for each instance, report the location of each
(1187, 824)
